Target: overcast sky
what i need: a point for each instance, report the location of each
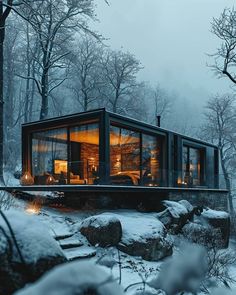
(171, 38)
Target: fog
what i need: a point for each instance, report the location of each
(172, 39)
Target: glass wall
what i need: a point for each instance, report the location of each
(193, 166)
(135, 158)
(84, 154)
(49, 155)
(151, 160)
(124, 156)
(59, 159)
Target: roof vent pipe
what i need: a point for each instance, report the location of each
(159, 121)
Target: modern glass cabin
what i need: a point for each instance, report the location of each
(102, 148)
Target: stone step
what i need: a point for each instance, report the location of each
(62, 236)
(79, 253)
(70, 242)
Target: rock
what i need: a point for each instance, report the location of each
(73, 278)
(39, 250)
(145, 237)
(219, 220)
(103, 230)
(176, 215)
(202, 234)
(191, 210)
(79, 253)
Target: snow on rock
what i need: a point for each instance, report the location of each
(175, 208)
(183, 273)
(80, 252)
(176, 214)
(74, 278)
(39, 250)
(214, 214)
(187, 205)
(201, 234)
(103, 230)
(219, 220)
(145, 237)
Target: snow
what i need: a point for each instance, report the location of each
(139, 229)
(33, 237)
(101, 220)
(133, 228)
(81, 252)
(186, 204)
(209, 213)
(10, 180)
(176, 209)
(74, 278)
(67, 223)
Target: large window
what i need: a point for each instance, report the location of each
(49, 154)
(84, 154)
(124, 156)
(193, 166)
(61, 159)
(151, 160)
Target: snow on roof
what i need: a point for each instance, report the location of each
(32, 236)
(74, 278)
(209, 213)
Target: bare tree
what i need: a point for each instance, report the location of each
(224, 28)
(54, 22)
(220, 129)
(119, 70)
(162, 102)
(85, 78)
(4, 13)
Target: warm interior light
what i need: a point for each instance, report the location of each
(27, 179)
(50, 180)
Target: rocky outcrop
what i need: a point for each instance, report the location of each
(218, 220)
(145, 237)
(202, 234)
(38, 252)
(103, 230)
(78, 277)
(176, 215)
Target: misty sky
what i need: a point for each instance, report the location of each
(171, 38)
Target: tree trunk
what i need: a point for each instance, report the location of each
(27, 90)
(2, 33)
(44, 106)
(227, 182)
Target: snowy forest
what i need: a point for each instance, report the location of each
(55, 62)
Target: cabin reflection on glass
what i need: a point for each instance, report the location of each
(100, 147)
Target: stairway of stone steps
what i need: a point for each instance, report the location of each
(73, 247)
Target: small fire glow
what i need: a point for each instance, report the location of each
(50, 180)
(27, 179)
(34, 207)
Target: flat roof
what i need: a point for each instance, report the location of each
(64, 118)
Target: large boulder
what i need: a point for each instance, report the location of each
(145, 237)
(218, 220)
(176, 215)
(75, 278)
(38, 251)
(103, 230)
(202, 234)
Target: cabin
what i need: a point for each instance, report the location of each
(97, 149)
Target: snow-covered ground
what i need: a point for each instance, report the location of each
(65, 223)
